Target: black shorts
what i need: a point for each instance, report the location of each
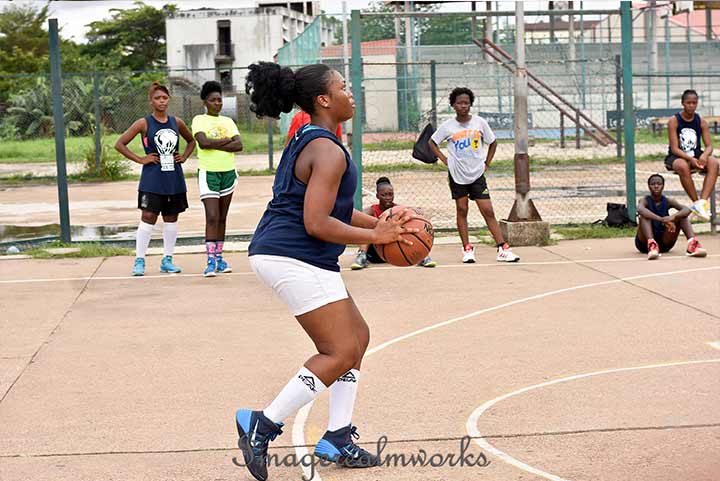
(642, 246)
(476, 190)
(670, 158)
(162, 204)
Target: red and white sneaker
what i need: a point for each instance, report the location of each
(506, 255)
(468, 254)
(653, 250)
(694, 249)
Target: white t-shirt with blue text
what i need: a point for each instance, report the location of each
(466, 147)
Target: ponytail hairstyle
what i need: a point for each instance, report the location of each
(209, 87)
(274, 89)
(154, 87)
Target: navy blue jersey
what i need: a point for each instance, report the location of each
(689, 135)
(281, 231)
(662, 209)
(166, 177)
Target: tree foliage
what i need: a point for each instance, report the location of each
(136, 36)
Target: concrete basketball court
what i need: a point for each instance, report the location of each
(582, 362)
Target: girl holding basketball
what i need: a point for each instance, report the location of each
(162, 187)
(295, 251)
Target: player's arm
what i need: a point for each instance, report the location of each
(206, 143)
(436, 150)
(235, 145)
(323, 164)
(675, 142)
(190, 142)
(138, 127)
(707, 144)
(682, 210)
(364, 220)
(643, 211)
(490, 153)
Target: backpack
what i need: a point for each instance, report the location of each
(617, 216)
(421, 150)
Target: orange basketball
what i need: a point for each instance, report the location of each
(403, 255)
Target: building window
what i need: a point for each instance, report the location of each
(224, 38)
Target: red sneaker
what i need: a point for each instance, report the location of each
(653, 250)
(694, 249)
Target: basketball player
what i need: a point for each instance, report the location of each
(162, 187)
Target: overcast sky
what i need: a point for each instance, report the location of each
(74, 16)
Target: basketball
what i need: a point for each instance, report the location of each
(403, 255)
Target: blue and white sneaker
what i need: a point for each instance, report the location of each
(255, 432)
(211, 267)
(139, 267)
(166, 265)
(339, 447)
(221, 266)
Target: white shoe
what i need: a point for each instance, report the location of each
(506, 255)
(469, 255)
(699, 208)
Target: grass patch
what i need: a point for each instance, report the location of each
(389, 145)
(85, 250)
(592, 231)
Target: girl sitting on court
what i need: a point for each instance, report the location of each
(386, 199)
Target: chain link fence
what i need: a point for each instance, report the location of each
(575, 170)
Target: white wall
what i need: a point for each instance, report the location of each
(381, 109)
(257, 34)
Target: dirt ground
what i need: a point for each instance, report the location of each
(584, 361)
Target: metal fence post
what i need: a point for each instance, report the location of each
(562, 130)
(433, 93)
(59, 123)
(690, 49)
(667, 60)
(98, 141)
(577, 129)
(626, 19)
(270, 143)
(618, 105)
(356, 83)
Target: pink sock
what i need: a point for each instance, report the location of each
(219, 247)
(210, 248)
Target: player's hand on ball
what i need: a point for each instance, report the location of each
(390, 228)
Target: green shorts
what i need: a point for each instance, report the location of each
(214, 185)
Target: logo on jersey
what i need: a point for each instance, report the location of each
(467, 138)
(688, 140)
(218, 132)
(166, 140)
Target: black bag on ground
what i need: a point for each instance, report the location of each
(617, 215)
(421, 150)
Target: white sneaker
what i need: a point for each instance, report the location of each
(506, 255)
(699, 208)
(469, 255)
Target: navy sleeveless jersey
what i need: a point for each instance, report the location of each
(689, 135)
(662, 209)
(162, 139)
(281, 231)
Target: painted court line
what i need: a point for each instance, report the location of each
(374, 268)
(715, 345)
(472, 422)
(298, 431)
